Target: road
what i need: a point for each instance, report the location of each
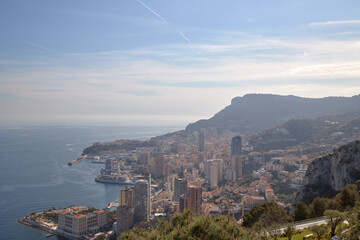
(307, 223)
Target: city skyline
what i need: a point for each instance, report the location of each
(139, 61)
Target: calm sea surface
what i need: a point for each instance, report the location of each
(34, 174)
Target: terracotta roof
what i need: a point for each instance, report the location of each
(64, 212)
(99, 211)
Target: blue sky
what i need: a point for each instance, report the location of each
(168, 62)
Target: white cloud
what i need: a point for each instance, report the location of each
(329, 23)
(171, 79)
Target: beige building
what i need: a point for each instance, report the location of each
(101, 214)
(79, 224)
(214, 176)
(126, 197)
(125, 211)
(213, 169)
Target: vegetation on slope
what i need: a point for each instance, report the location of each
(263, 221)
(190, 226)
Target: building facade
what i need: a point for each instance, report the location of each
(159, 167)
(124, 219)
(141, 201)
(180, 187)
(126, 197)
(125, 210)
(80, 224)
(201, 142)
(236, 145)
(236, 164)
(192, 200)
(213, 169)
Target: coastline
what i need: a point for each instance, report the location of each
(34, 224)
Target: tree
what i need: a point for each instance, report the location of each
(275, 231)
(358, 185)
(289, 231)
(100, 237)
(318, 206)
(300, 212)
(319, 230)
(110, 216)
(347, 196)
(354, 230)
(335, 218)
(190, 226)
(268, 213)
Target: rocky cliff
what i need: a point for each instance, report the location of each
(326, 176)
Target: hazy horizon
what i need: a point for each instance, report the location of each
(111, 120)
(161, 62)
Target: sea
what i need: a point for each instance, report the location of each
(34, 174)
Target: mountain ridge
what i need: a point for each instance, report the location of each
(256, 112)
(326, 129)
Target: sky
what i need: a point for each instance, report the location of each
(169, 62)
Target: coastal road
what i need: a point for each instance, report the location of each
(307, 223)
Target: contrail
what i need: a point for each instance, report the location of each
(184, 37)
(147, 7)
(39, 46)
(162, 19)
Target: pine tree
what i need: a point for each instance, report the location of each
(300, 212)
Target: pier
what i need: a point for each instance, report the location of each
(77, 160)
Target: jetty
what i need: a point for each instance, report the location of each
(77, 160)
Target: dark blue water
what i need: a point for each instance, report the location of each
(34, 174)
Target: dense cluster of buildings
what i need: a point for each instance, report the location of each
(208, 172)
(135, 203)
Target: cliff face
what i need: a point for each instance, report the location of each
(254, 112)
(326, 176)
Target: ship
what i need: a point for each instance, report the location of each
(97, 159)
(113, 179)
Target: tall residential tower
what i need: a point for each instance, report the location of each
(141, 201)
(125, 210)
(236, 160)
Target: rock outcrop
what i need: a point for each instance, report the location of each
(326, 176)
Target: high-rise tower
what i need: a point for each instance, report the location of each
(159, 167)
(236, 144)
(126, 197)
(201, 142)
(180, 187)
(191, 200)
(213, 169)
(236, 160)
(236, 164)
(125, 210)
(141, 201)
